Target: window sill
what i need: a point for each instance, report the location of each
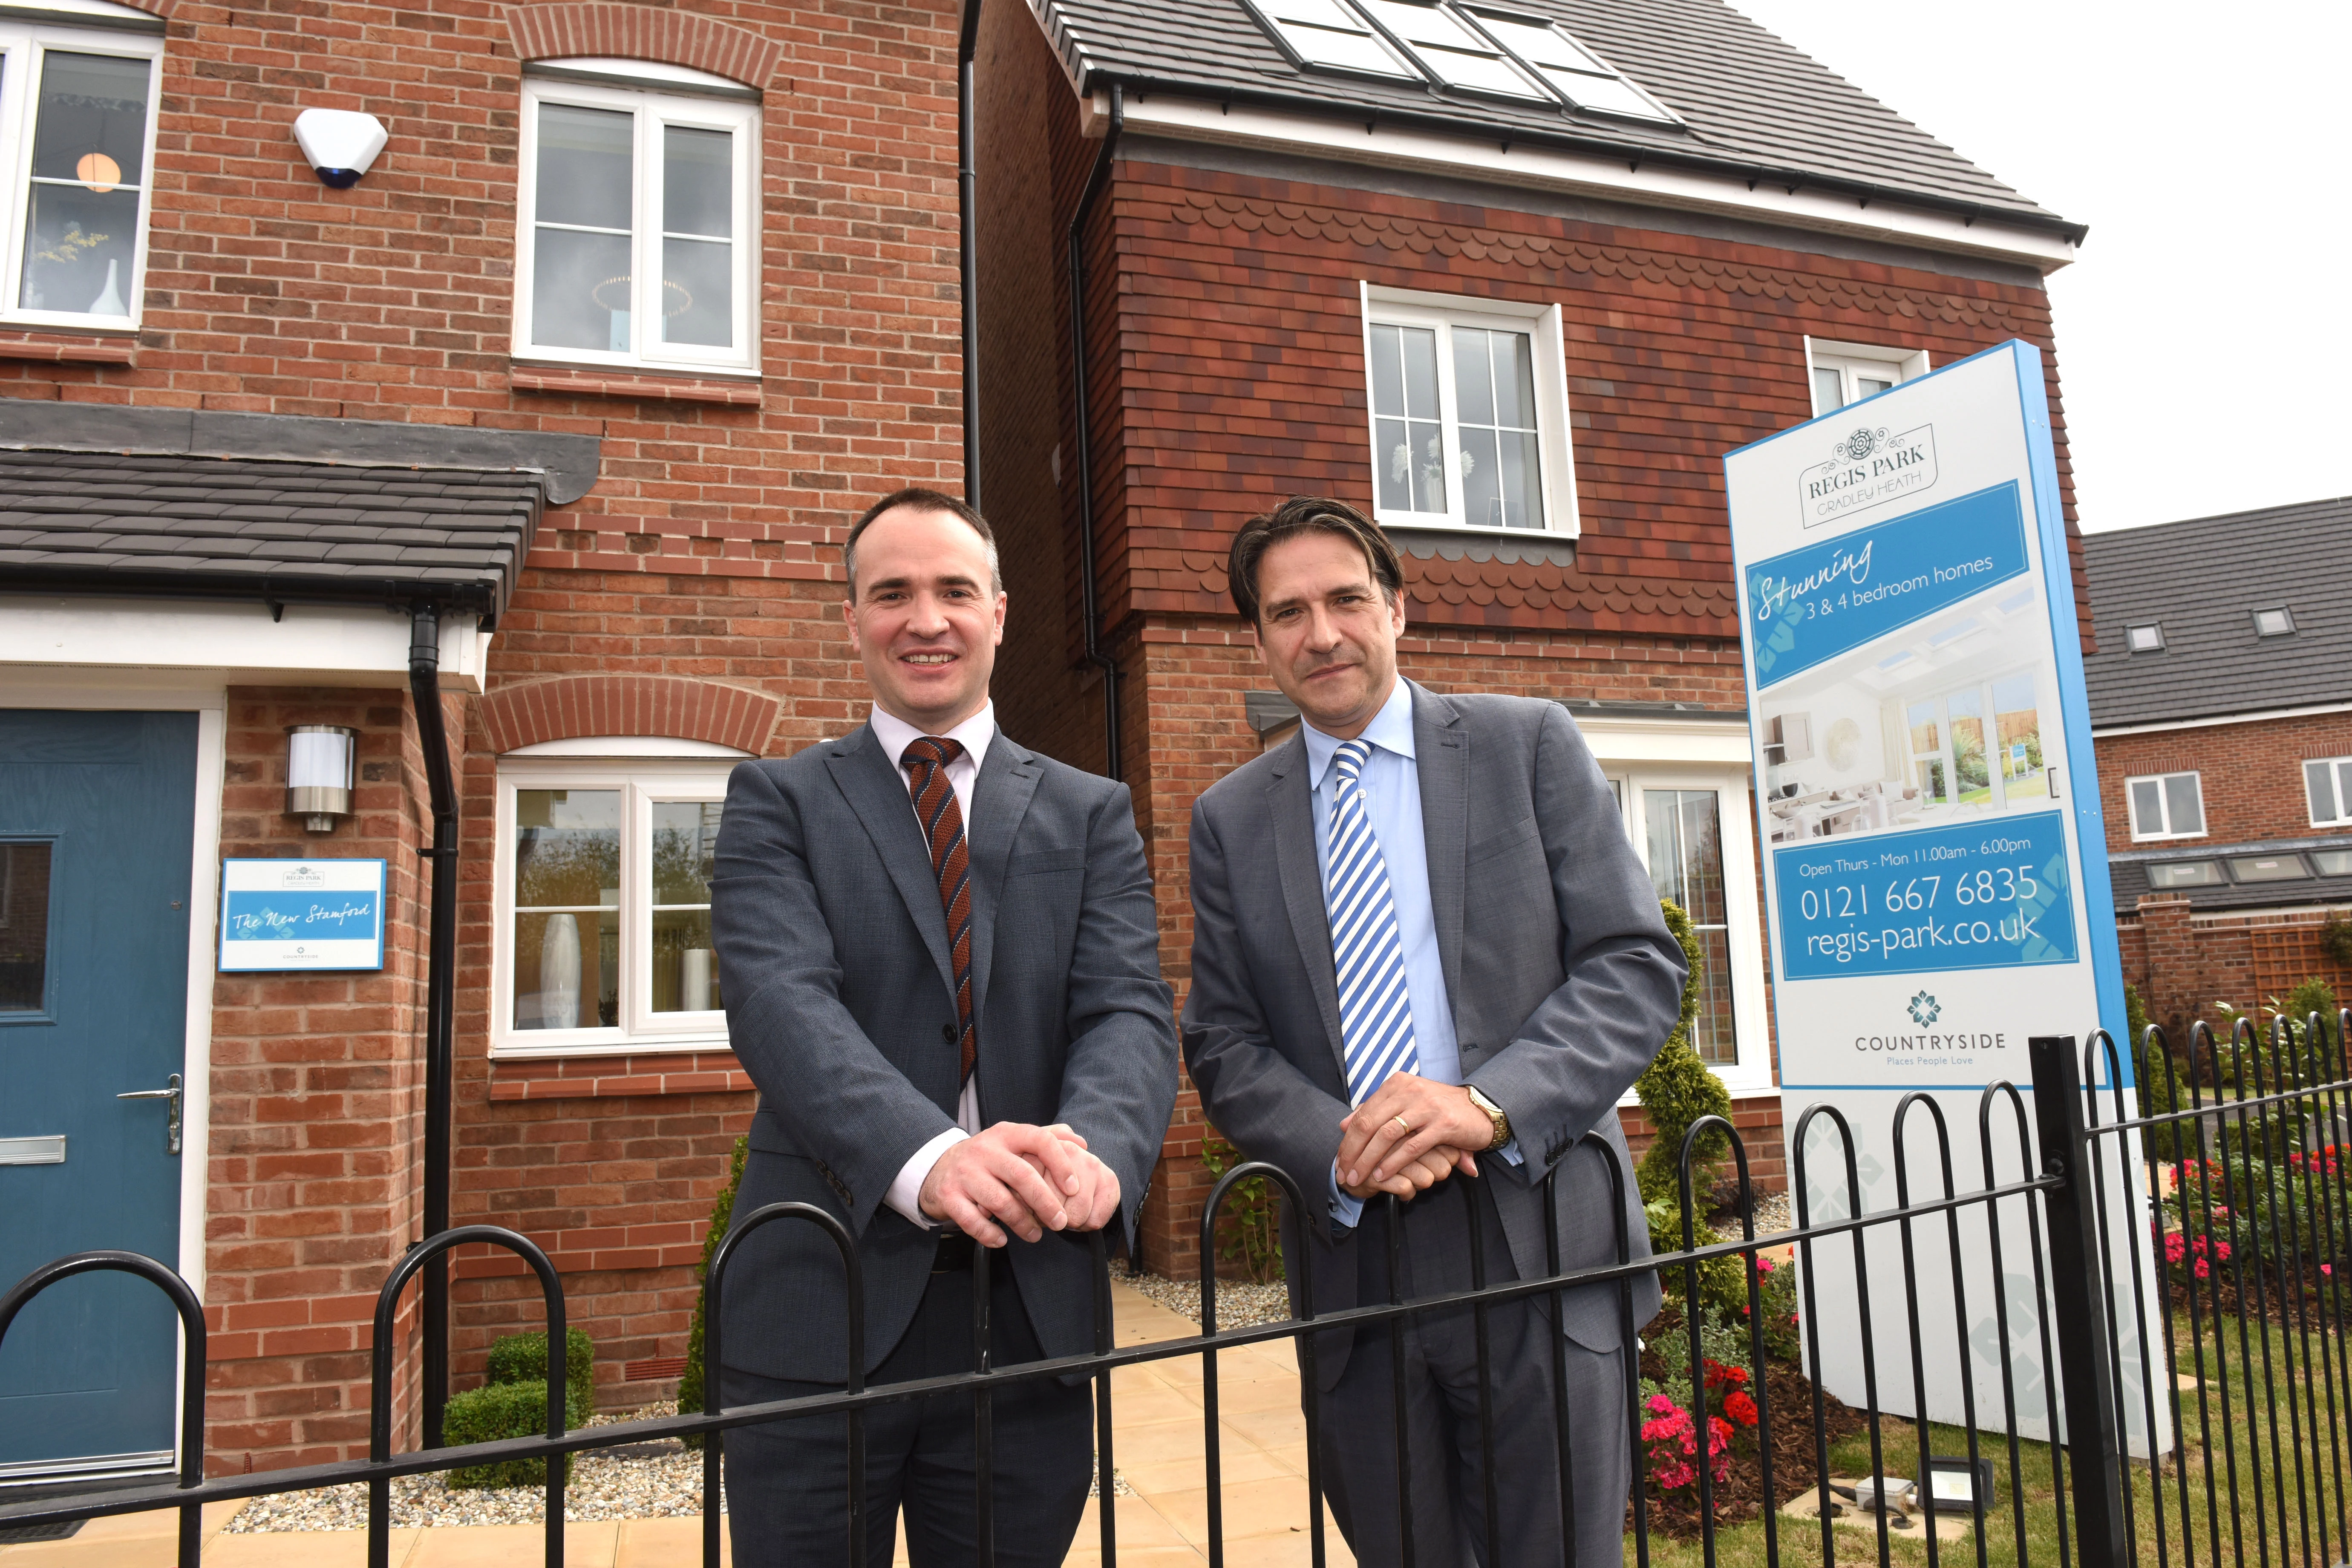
(678, 1070)
(605, 382)
(67, 348)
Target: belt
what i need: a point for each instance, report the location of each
(954, 1255)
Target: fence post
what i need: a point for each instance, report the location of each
(2078, 1304)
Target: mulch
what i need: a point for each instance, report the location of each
(1789, 1408)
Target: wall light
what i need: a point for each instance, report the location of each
(340, 143)
(320, 758)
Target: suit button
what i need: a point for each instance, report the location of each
(947, 1034)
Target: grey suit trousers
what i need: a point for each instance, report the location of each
(1447, 1462)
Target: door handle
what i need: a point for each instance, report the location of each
(171, 1126)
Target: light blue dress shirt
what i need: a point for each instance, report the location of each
(1391, 784)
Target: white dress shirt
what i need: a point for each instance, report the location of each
(896, 735)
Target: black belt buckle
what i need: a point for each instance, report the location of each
(954, 1256)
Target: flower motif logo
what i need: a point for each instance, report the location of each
(1924, 1010)
(1860, 445)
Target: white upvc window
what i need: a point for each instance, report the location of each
(2327, 786)
(1848, 372)
(78, 152)
(602, 893)
(2166, 806)
(1469, 414)
(638, 213)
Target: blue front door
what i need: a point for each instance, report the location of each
(97, 813)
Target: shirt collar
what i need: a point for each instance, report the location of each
(895, 734)
(1390, 730)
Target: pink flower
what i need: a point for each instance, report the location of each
(2327, 1268)
(1763, 1264)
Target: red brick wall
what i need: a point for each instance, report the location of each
(317, 1099)
(2251, 774)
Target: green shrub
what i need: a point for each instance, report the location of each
(496, 1411)
(1677, 1089)
(722, 1215)
(2156, 1075)
(1249, 1227)
(522, 1358)
(2335, 939)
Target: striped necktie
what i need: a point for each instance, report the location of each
(1375, 1011)
(926, 760)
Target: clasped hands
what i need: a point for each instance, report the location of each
(1021, 1178)
(1410, 1134)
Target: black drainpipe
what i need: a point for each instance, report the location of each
(967, 257)
(1090, 608)
(440, 977)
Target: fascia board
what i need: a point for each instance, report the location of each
(328, 645)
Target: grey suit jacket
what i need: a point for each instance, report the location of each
(1562, 976)
(834, 964)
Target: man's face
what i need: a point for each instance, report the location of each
(1327, 634)
(924, 620)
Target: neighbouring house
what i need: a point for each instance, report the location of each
(2221, 710)
(595, 363)
(1511, 277)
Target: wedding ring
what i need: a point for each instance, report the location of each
(1403, 1126)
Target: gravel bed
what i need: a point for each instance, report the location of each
(644, 1480)
(1240, 1304)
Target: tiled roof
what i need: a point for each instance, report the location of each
(2127, 875)
(1752, 104)
(213, 525)
(2201, 581)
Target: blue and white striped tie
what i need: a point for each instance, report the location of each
(1375, 1010)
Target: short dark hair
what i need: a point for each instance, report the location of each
(1308, 514)
(922, 500)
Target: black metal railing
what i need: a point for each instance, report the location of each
(2161, 1193)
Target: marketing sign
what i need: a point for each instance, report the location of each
(301, 914)
(1935, 874)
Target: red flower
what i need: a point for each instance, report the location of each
(1741, 1407)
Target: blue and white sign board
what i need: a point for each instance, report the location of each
(301, 914)
(1935, 873)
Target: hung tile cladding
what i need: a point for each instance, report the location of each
(1510, 277)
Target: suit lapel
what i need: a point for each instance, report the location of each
(1290, 801)
(1000, 798)
(1441, 762)
(877, 793)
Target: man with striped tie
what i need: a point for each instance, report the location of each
(940, 960)
(1426, 963)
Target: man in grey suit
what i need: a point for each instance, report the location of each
(956, 1041)
(1424, 949)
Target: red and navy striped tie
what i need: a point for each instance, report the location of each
(925, 761)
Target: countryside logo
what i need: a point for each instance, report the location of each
(1867, 466)
(1924, 1010)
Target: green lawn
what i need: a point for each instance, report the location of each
(2264, 1535)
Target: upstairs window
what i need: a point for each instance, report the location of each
(1573, 72)
(2148, 638)
(1332, 35)
(2274, 623)
(1450, 51)
(2327, 786)
(1848, 372)
(635, 246)
(1469, 414)
(77, 143)
(2166, 806)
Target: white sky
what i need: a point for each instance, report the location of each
(2203, 335)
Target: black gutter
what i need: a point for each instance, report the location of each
(968, 254)
(1635, 153)
(440, 983)
(1089, 593)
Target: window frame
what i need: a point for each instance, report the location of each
(653, 108)
(2131, 637)
(640, 781)
(34, 41)
(1752, 1030)
(1543, 325)
(2164, 805)
(1849, 359)
(2340, 770)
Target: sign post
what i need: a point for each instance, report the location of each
(1935, 871)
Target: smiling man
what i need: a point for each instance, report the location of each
(940, 965)
(1423, 952)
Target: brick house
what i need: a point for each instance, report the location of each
(2219, 711)
(250, 424)
(1511, 278)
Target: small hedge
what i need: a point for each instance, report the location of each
(496, 1411)
(522, 1358)
(690, 1386)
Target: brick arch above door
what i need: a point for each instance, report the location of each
(569, 707)
(643, 33)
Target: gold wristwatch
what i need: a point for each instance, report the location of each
(1495, 1113)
